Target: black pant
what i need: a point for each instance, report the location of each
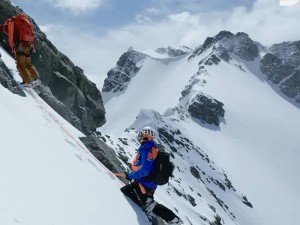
(134, 192)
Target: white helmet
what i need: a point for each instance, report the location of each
(147, 132)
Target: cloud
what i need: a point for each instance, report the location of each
(288, 2)
(93, 53)
(266, 22)
(142, 19)
(153, 11)
(77, 6)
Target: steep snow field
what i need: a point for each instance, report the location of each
(257, 144)
(157, 86)
(47, 175)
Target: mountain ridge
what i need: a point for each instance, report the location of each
(216, 110)
(231, 71)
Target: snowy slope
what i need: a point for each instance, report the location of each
(257, 143)
(169, 79)
(200, 192)
(47, 175)
(157, 86)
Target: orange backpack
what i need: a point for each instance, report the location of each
(23, 26)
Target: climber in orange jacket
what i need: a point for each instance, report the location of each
(20, 32)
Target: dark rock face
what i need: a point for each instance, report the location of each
(126, 68)
(61, 109)
(275, 68)
(217, 221)
(282, 68)
(103, 153)
(239, 44)
(195, 172)
(212, 60)
(206, 109)
(246, 202)
(7, 80)
(63, 82)
(288, 51)
(210, 41)
(246, 48)
(287, 65)
(215, 57)
(224, 54)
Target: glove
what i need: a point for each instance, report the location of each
(122, 175)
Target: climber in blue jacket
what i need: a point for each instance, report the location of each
(141, 189)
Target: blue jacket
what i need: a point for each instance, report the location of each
(146, 163)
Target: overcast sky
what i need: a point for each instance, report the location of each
(94, 33)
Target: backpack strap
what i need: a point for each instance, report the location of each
(9, 28)
(152, 154)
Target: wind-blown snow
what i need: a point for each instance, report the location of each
(47, 175)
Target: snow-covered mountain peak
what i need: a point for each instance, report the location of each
(226, 42)
(225, 111)
(119, 77)
(214, 49)
(229, 98)
(188, 74)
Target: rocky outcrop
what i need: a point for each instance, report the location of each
(63, 82)
(103, 153)
(275, 69)
(206, 109)
(210, 60)
(287, 51)
(210, 41)
(281, 67)
(226, 42)
(7, 80)
(127, 67)
(246, 48)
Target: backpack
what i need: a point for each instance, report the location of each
(163, 169)
(24, 27)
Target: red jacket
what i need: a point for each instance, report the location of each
(4, 28)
